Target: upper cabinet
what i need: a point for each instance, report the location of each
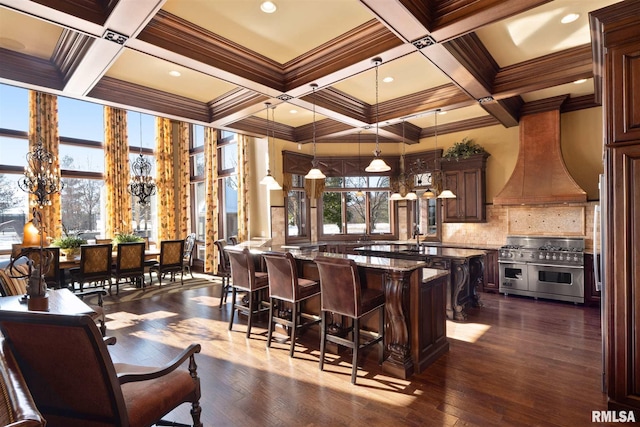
(466, 178)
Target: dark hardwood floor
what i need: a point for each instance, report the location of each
(515, 362)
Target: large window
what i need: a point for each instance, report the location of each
(355, 206)
(297, 228)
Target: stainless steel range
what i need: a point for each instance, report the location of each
(543, 267)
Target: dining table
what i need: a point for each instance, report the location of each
(61, 301)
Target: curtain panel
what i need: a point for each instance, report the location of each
(165, 194)
(116, 154)
(183, 217)
(211, 200)
(43, 126)
(243, 188)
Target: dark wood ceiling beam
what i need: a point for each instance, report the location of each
(540, 73)
(236, 104)
(454, 18)
(112, 91)
(468, 124)
(18, 67)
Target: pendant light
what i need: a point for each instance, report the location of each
(269, 180)
(377, 164)
(411, 195)
(315, 172)
(359, 193)
(141, 184)
(445, 194)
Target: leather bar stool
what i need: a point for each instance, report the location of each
(245, 278)
(224, 270)
(285, 285)
(343, 294)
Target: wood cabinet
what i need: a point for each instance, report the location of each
(616, 47)
(467, 179)
(491, 272)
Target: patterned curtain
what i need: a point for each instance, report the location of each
(211, 200)
(43, 126)
(243, 188)
(165, 181)
(314, 187)
(116, 154)
(183, 217)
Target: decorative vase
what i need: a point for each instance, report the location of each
(38, 303)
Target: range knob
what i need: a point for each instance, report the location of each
(554, 257)
(541, 256)
(560, 257)
(548, 256)
(575, 258)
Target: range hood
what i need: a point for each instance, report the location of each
(540, 175)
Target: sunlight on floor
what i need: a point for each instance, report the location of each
(123, 319)
(468, 332)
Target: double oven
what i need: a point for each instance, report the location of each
(543, 267)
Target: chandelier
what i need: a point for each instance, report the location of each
(141, 184)
(40, 178)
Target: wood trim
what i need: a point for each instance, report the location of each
(29, 69)
(70, 51)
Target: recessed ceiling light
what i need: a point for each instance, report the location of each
(268, 7)
(387, 79)
(175, 73)
(570, 18)
(293, 111)
(580, 81)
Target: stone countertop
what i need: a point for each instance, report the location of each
(401, 249)
(309, 254)
(393, 242)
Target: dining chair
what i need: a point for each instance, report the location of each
(75, 383)
(129, 265)
(286, 286)
(233, 240)
(224, 269)
(245, 278)
(187, 255)
(342, 294)
(171, 252)
(52, 255)
(95, 266)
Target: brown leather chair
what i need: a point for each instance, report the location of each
(95, 266)
(92, 390)
(245, 278)
(224, 269)
(285, 285)
(342, 294)
(233, 240)
(129, 265)
(171, 252)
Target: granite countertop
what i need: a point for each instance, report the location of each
(401, 249)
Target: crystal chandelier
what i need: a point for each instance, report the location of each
(141, 184)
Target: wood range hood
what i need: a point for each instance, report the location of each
(540, 175)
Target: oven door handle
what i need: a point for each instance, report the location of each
(512, 262)
(577, 267)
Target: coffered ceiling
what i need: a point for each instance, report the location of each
(484, 62)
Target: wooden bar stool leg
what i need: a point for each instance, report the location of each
(294, 326)
(323, 336)
(272, 302)
(233, 307)
(356, 347)
(250, 317)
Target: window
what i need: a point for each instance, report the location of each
(356, 205)
(298, 212)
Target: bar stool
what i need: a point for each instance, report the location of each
(245, 278)
(224, 270)
(285, 285)
(343, 294)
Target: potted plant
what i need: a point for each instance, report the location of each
(69, 245)
(463, 150)
(125, 238)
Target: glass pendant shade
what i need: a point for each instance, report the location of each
(270, 182)
(411, 196)
(396, 196)
(446, 194)
(429, 194)
(377, 165)
(315, 173)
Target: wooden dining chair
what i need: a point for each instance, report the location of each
(343, 294)
(129, 265)
(187, 255)
(75, 383)
(171, 252)
(224, 270)
(95, 266)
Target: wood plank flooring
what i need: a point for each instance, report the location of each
(514, 362)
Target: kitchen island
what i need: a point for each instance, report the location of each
(465, 265)
(415, 296)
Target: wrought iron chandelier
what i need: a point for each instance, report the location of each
(141, 184)
(40, 178)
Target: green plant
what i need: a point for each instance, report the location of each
(463, 150)
(69, 242)
(127, 237)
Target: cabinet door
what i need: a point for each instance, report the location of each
(468, 206)
(491, 272)
(450, 206)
